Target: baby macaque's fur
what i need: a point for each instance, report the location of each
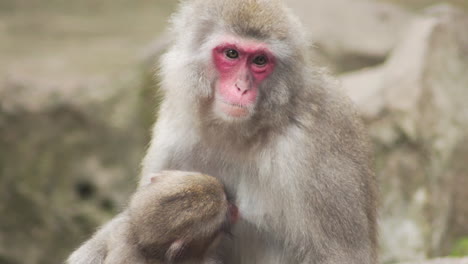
(177, 218)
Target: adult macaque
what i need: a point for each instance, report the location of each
(179, 217)
(243, 103)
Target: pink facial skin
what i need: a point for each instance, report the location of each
(241, 76)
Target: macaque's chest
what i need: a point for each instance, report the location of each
(249, 181)
(259, 197)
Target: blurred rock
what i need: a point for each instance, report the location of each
(351, 34)
(441, 261)
(416, 108)
(68, 154)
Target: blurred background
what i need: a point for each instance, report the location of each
(78, 97)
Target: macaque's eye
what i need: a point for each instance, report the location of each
(260, 60)
(232, 54)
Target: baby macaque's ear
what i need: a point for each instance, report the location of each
(175, 250)
(154, 177)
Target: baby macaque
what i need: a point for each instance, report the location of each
(178, 218)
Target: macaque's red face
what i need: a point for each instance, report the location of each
(242, 66)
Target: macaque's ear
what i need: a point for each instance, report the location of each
(175, 250)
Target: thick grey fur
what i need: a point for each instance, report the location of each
(299, 167)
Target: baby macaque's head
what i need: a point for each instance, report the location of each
(180, 215)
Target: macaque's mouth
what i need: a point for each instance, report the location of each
(233, 109)
(234, 104)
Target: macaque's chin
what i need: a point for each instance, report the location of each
(232, 110)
